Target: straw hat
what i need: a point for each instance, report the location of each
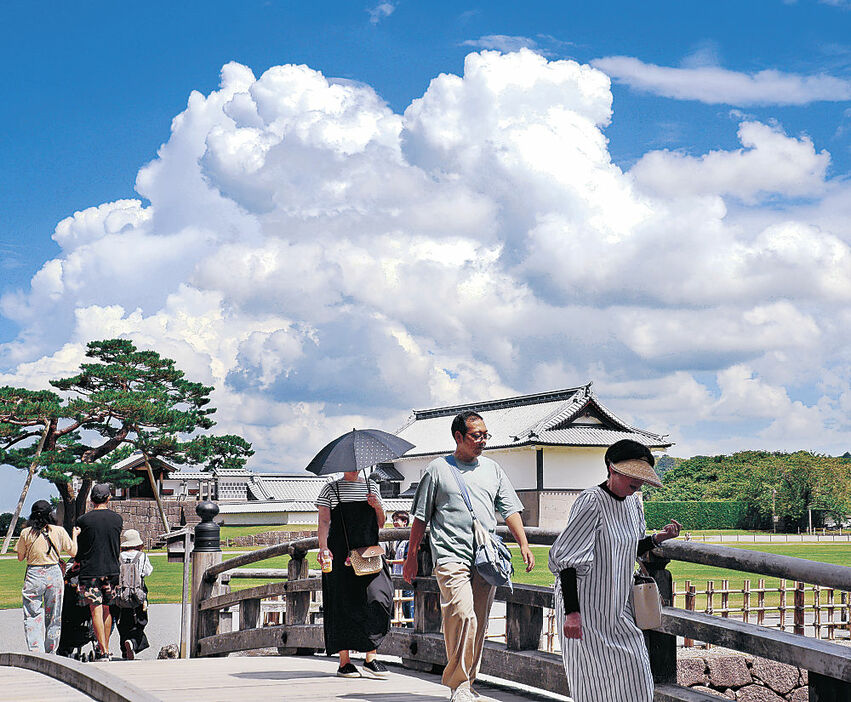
(130, 538)
(637, 468)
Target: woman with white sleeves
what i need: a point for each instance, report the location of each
(605, 658)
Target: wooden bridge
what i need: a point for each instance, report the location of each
(234, 679)
(299, 675)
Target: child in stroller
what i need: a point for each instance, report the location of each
(77, 628)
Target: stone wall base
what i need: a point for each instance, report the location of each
(270, 538)
(144, 516)
(743, 677)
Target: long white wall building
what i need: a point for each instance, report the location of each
(551, 446)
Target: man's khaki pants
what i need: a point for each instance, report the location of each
(465, 604)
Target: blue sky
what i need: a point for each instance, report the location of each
(687, 254)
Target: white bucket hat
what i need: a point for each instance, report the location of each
(129, 538)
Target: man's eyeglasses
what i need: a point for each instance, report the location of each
(479, 436)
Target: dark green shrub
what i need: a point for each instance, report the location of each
(699, 514)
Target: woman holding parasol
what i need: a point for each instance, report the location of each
(356, 608)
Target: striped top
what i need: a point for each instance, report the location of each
(350, 491)
(600, 542)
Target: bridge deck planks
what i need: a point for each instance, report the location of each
(17, 684)
(274, 679)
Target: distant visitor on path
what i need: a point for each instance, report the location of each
(98, 556)
(130, 609)
(465, 597)
(605, 658)
(399, 552)
(356, 609)
(40, 544)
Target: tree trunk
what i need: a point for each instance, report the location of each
(69, 517)
(156, 490)
(81, 499)
(26, 488)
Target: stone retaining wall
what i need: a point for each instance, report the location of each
(270, 538)
(743, 677)
(144, 516)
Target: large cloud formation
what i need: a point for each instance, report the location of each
(328, 263)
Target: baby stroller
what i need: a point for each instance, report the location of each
(77, 628)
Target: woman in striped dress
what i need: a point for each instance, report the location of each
(605, 658)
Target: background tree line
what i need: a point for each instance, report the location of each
(768, 483)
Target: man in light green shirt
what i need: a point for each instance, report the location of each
(465, 597)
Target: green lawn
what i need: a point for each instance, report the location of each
(165, 582)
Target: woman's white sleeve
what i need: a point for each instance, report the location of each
(147, 566)
(574, 548)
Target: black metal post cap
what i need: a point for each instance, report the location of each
(207, 532)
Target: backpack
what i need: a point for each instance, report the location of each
(130, 592)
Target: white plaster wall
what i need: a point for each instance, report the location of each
(554, 508)
(573, 468)
(519, 465)
(565, 468)
(412, 469)
(304, 517)
(268, 518)
(252, 519)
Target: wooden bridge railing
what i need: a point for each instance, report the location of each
(519, 659)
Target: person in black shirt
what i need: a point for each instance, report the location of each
(98, 553)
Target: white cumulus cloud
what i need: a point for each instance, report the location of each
(501, 42)
(380, 11)
(716, 85)
(326, 262)
(770, 163)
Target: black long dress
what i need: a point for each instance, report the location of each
(356, 608)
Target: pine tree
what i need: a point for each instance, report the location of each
(125, 399)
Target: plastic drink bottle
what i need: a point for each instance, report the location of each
(327, 563)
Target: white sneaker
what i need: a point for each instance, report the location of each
(462, 694)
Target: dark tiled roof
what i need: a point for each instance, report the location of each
(571, 417)
(386, 471)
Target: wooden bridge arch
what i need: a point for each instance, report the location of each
(421, 648)
(519, 660)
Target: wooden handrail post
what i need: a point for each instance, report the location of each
(690, 600)
(831, 625)
(799, 608)
(249, 614)
(523, 626)
(427, 619)
(297, 612)
(207, 552)
(746, 601)
(817, 612)
(824, 689)
(661, 647)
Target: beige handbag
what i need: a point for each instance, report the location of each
(366, 560)
(646, 601)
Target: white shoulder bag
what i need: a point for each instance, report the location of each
(646, 601)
